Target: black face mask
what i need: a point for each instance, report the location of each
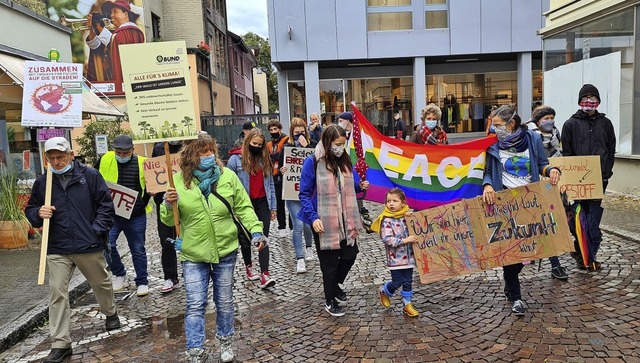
(297, 136)
(274, 135)
(255, 150)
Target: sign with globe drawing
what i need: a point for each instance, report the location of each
(52, 95)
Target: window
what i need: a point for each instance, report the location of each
(383, 15)
(436, 14)
(155, 26)
(202, 65)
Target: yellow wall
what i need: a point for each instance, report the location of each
(222, 101)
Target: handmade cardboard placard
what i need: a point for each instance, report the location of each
(123, 199)
(155, 172)
(525, 223)
(293, 160)
(581, 176)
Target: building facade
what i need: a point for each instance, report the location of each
(595, 42)
(399, 55)
(241, 64)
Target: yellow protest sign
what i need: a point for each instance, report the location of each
(581, 176)
(525, 223)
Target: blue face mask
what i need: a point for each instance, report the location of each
(431, 124)
(207, 162)
(123, 159)
(61, 171)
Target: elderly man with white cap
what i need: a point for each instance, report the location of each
(81, 215)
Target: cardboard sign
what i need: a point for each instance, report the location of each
(581, 176)
(155, 172)
(159, 95)
(293, 160)
(123, 199)
(525, 223)
(52, 94)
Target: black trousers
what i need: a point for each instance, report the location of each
(511, 280)
(282, 218)
(261, 207)
(168, 256)
(335, 265)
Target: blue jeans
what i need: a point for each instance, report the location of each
(134, 229)
(400, 278)
(299, 227)
(196, 276)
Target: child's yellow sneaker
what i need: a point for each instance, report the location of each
(384, 298)
(409, 310)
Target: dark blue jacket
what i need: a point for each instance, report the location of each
(537, 156)
(84, 212)
(308, 196)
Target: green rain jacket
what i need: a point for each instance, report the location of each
(207, 229)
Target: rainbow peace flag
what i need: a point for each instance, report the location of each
(429, 175)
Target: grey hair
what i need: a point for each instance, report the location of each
(508, 113)
(431, 108)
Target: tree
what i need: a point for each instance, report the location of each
(87, 141)
(253, 40)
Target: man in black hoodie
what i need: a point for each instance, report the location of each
(589, 132)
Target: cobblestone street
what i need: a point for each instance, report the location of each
(592, 317)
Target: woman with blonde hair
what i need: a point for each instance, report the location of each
(253, 167)
(430, 129)
(209, 240)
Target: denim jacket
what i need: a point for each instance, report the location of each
(235, 164)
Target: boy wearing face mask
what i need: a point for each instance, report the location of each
(429, 131)
(123, 167)
(589, 132)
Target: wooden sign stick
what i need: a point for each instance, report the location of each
(45, 228)
(174, 205)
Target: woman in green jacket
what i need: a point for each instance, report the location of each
(209, 240)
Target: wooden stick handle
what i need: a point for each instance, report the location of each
(45, 229)
(174, 205)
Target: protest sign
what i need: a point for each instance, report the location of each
(581, 176)
(293, 160)
(123, 199)
(155, 172)
(52, 95)
(525, 223)
(159, 94)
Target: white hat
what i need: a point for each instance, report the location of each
(57, 143)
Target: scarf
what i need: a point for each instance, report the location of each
(386, 213)
(207, 178)
(516, 141)
(336, 193)
(551, 143)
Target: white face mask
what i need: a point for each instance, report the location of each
(337, 151)
(431, 124)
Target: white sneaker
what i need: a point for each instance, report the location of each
(167, 287)
(118, 282)
(301, 268)
(309, 254)
(143, 290)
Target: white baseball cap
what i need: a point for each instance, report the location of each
(57, 143)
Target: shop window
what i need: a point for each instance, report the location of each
(297, 104)
(332, 100)
(383, 15)
(436, 14)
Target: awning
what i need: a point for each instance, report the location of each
(14, 67)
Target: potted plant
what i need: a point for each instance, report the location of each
(14, 226)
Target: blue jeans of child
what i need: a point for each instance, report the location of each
(134, 230)
(299, 227)
(400, 278)
(196, 276)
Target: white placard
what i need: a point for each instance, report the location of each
(52, 95)
(293, 159)
(102, 145)
(123, 199)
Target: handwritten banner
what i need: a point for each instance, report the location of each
(123, 199)
(581, 176)
(525, 223)
(155, 172)
(293, 160)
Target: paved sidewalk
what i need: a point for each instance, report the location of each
(592, 317)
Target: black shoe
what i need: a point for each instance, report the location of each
(559, 273)
(365, 215)
(341, 296)
(113, 322)
(58, 355)
(579, 261)
(333, 308)
(518, 308)
(507, 293)
(594, 266)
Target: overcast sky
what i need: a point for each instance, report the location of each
(247, 16)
